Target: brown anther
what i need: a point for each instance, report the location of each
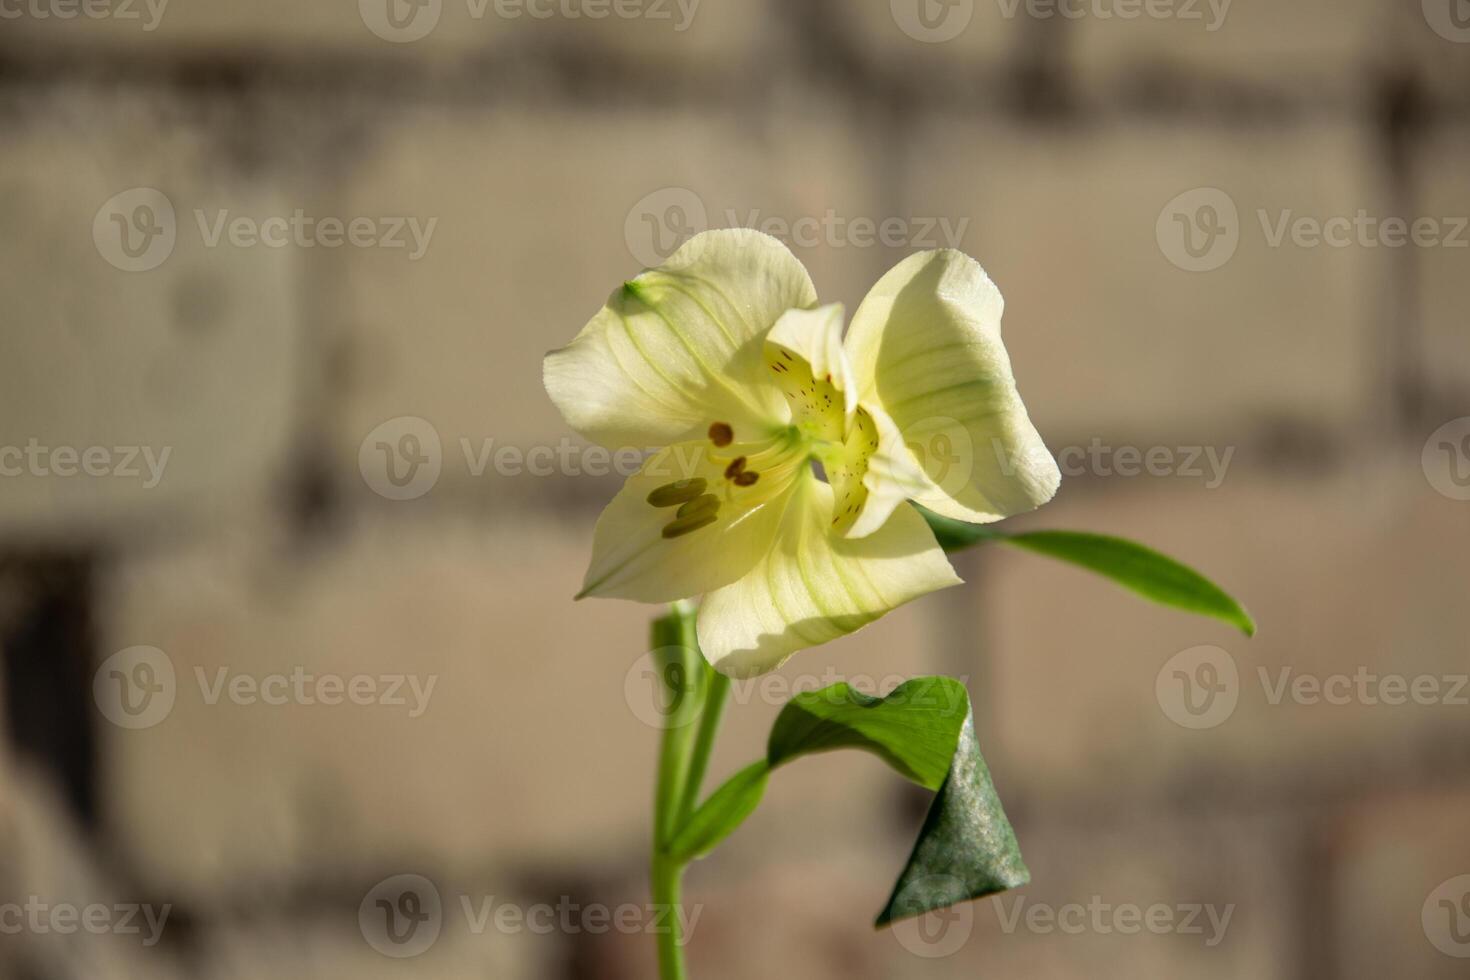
(708, 503)
(721, 434)
(678, 492)
(746, 479)
(684, 525)
(735, 468)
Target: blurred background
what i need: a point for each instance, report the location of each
(289, 530)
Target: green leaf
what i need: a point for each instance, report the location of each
(954, 535)
(1132, 565)
(914, 729)
(923, 729)
(726, 808)
(966, 848)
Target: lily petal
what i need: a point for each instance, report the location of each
(815, 336)
(678, 348)
(813, 586)
(633, 555)
(926, 347)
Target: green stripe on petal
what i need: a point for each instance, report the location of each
(813, 586)
(926, 346)
(679, 347)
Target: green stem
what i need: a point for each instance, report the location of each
(667, 878)
(716, 687)
(675, 651)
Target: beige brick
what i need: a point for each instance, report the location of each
(698, 35)
(810, 915)
(540, 218)
(1396, 857)
(108, 359)
(1106, 333)
(536, 716)
(1343, 573)
(1316, 46)
(1444, 291)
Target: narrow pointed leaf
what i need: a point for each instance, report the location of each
(726, 809)
(1141, 569)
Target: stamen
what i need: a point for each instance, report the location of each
(735, 468)
(708, 503)
(721, 434)
(677, 492)
(693, 522)
(746, 479)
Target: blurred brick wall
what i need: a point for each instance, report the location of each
(1290, 390)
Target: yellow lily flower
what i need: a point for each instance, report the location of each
(722, 360)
